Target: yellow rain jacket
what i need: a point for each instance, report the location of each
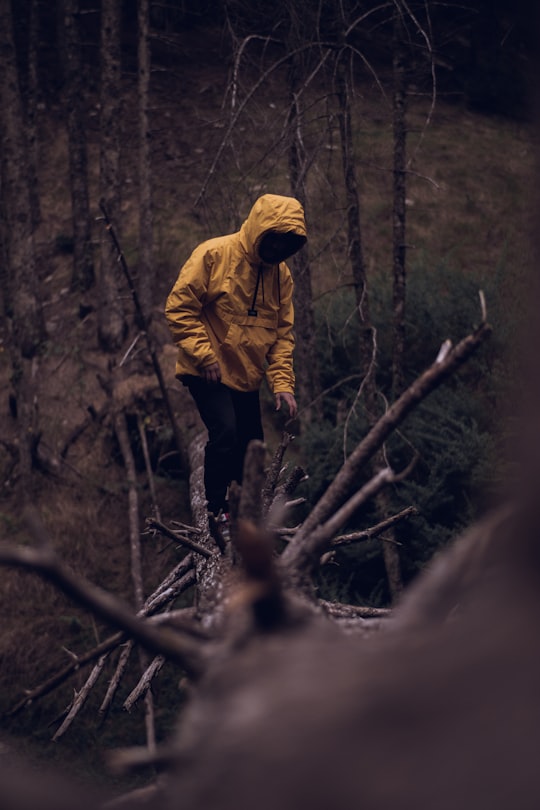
(228, 306)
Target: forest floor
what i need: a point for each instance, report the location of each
(468, 203)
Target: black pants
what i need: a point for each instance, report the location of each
(233, 419)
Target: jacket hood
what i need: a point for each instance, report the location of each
(271, 212)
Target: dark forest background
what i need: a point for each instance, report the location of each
(404, 128)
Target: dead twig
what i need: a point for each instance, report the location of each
(141, 689)
(116, 678)
(52, 683)
(177, 581)
(374, 531)
(181, 539)
(148, 465)
(314, 545)
(81, 696)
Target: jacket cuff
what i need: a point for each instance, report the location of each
(208, 361)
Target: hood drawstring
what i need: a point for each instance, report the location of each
(260, 280)
(252, 311)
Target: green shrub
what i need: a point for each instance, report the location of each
(452, 431)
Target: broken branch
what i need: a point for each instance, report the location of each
(105, 605)
(374, 531)
(346, 478)
(181, 539)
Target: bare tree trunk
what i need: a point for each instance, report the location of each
(355, 248)
(22, 298)
(111, 321)
(23, 294)
(83, 267)
(146, 264)
(306, 366)
(32, 97)
(399, 205)
(356, 257)
(390, 549)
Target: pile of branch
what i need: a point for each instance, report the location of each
(242, 585)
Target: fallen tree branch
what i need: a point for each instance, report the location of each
(198, 503)
(121, 430)
(176, 619)
(142, 321)
(342, 611)
(345, 480)
(52, 683)
(307, 556)
(116, 678)
(105, 605)
(81, 696)
(373, 531)
(181, 539)
(148, 466)
(214, 572)
(175, 583)
(144, 683)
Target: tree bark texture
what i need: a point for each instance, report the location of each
(213, 573)
(111, 321)
(146, 264)
(83, 265)
(306, 365)
(355, 250)
(21, 290)
(399, 252)
(23, 295)
(32, 98)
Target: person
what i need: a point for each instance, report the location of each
(230, 314)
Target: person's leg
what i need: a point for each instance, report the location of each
(248, 426)
(215, 405)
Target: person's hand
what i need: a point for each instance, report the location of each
(211, 373)
(289, 399)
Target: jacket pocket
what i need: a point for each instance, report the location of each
(267, 321)
(247, 345)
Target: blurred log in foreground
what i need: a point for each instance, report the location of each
(437, 710)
